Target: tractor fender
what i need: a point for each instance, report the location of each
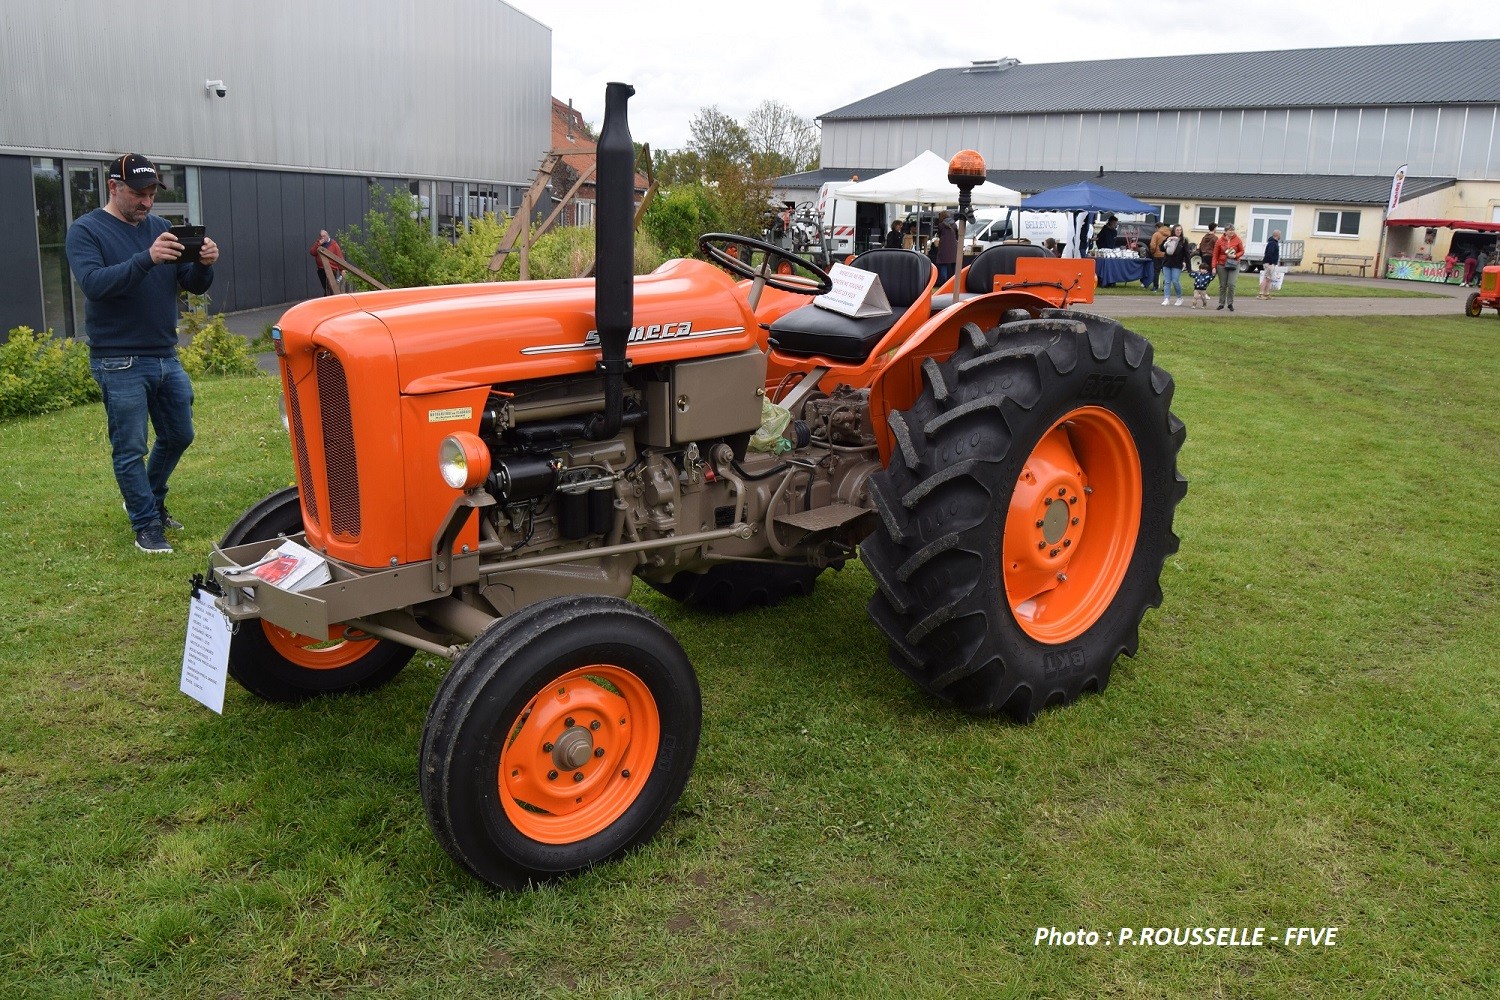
(899, 382)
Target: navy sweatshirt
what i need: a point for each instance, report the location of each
(131, 303)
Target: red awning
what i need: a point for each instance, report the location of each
(1478, 227)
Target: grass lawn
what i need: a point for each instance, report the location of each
(1306, 739)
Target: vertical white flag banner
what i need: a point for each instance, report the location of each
(1397, 180)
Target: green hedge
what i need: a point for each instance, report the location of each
(40, 373)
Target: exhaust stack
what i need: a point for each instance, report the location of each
(614, 255)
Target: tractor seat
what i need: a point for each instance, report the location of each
(905, 275)
(979, 278)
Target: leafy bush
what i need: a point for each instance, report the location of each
(214, 349)
(395, 245)
(679, 216)
(567, 252)
(40, 373)
(468, 260)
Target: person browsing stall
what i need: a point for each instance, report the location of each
(128, 263)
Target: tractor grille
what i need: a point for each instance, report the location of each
(299, 447)
(339, 458)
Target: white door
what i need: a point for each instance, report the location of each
(1264, 219)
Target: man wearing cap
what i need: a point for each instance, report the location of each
(126, 262)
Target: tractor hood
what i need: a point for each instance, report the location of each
(456, 336)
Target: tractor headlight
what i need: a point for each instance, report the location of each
(463, 460)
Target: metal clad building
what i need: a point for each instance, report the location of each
(1362, 110)
(450, 99)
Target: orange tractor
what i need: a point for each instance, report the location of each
(1487, 295)
(486, 470)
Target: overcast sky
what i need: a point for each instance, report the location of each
(819, 55)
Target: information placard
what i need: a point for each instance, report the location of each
(205, 654)
(856, 292)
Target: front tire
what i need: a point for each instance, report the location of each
(560, 739)
(1026, 513)
(1474, 307)
(283, 666)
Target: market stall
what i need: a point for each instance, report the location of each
(1417, 252)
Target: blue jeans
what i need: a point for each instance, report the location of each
(1171, 278)
(945, 271)
(138, 391)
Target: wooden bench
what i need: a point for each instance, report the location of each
(1345, 260)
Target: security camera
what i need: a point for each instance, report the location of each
(216, 87)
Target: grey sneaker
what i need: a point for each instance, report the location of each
(151, 540)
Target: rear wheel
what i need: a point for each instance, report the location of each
(1474, 307)
(560, 739)
(278, 665)
(1026, 512)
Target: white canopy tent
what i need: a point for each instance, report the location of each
(922, 181)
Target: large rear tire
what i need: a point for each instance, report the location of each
(1026, 513)
(560, 739)
(283, 666)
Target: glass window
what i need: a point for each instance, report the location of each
(1223, 215)
(51, 227)
(1171, 213)
(1334, 222)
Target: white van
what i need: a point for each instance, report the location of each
(996, 225)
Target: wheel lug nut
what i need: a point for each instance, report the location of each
(577, 776)
(1062, 578)
(1062, 491)
(594, 724)
(1088, 491)
(1055, 552)
(598, 751)
(568, 722)
(546, 748)
(1072, 499)
(551, 775)
(1075, 520)
(1047, 502)
(1067, 542)
(1040, 523)
(625, 773)
(1041, 545)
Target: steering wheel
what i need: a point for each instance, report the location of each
(737, 253)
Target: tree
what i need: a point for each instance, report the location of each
(781, 141)
(720, 142)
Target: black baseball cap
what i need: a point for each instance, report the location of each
(136, 171)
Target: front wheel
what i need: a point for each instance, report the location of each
(1027, 512)
(560, 739)
(283, 666)
(1474, 307)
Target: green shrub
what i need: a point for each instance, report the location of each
(567, 252)
(213, 348)
(679, 216)
(40, 373)
(395, 245)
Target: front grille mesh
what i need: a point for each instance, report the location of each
(299, 446)
(338, 446)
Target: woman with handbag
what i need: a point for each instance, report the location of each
(1175, 253)
(1271, 265)
(1227, 255)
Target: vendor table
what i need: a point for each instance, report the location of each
(1118, 270)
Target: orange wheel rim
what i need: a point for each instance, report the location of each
(579, 754)
(328, 653)
(1072, 525)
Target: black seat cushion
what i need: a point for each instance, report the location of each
(904, 276)
(997, 260)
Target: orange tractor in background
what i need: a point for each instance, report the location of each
(1487, 295)
(487, 469)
